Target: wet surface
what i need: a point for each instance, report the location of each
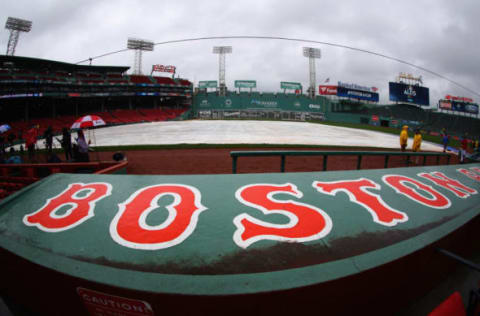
(281, 256)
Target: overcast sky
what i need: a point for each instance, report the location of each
(440, 35)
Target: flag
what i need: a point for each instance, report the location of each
(374, 89)
(327, 80)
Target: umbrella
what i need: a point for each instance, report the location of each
(88, 121)
(4, 128)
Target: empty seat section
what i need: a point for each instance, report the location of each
(106, 117)
(184, 82)
(114, 76)
(154, 114)
(129, 116)
(140, 79)
(92, 81)
(118, 81)
(164, 80)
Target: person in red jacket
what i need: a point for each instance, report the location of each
(30, 141)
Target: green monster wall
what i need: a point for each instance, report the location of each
(256, 101)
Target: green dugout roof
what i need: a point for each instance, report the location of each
(209, 259)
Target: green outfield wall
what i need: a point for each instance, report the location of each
(258, 102)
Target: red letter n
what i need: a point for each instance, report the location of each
(471, 174)
(460, 190)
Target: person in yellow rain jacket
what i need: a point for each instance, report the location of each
(404, 137)
(417, 142)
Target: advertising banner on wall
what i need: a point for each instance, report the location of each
(245, 84)
(290, 85)
(471, 108)
(454, 98)
(327, 90)
(163, 68)
(207, 84)
(401, 92)
(354, 86)
(357, 94)
(445, 105)
(465, 107)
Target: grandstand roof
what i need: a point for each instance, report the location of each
(52, 65)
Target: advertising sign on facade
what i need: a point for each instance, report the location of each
(355, 86)
(465, 107)
(454, 98)
(357, 94)
(290, 85)
(245, 84)
(471, 108)
(445, 105)
(401, 92)
(327, 90)
(207, 84)
(457, 106)
(163, 68)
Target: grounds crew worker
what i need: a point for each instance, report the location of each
(404, 137)
(417, 142)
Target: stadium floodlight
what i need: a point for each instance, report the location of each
(221, 51)
(16, 26)
(139, 45)
(312, 54)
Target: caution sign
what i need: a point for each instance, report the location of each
(102, 304)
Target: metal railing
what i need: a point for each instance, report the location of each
(326, 154)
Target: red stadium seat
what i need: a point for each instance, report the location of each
(453, 305)
(140, 79)
(164, 80)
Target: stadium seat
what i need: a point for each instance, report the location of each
(5, 77)
(117, 81)
(129, 116)
(453, 305)
(140, 79)
(164, 80)
(184, 82)
(114, 76)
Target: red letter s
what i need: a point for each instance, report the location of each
(306, 222)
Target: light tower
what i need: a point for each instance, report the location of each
(221, 51)
(16, 26)
(312, 54)
(139, 46)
